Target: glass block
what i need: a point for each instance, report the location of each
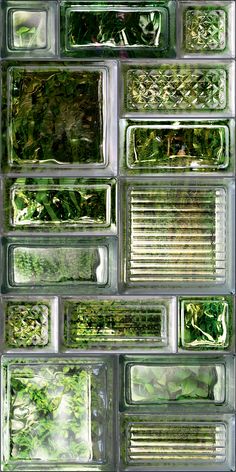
(177, 87)
(191, 382)
(77, 265)
(205, 323)
(176, 236)
(61, 204)
(57, 413)
(153, 442)
(30, 30)
(119, 323)
(176, 146)
(207, 28)
(29, 323)
(111, 29)
(61, 117)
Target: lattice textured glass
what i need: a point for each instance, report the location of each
(176, 88)
(204, 29)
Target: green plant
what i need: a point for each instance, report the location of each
(50, 265)
(114, 28)
(27, 324)
(56, 413)
(205, 324)
(40, 202)
(92, 323)
(56, 116)
(152, 384)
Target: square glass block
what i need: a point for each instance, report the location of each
(206, 323)
(61, 117)
(119, 324)
(30, 30)
(29, 324)
(176, 236)
(146, 31)
(57, 413)
(159, 146)
(63, 204)
(47, 265)
(196, 88)
(192, 383)
(207, 28)
(180, 442)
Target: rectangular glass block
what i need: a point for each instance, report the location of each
(74, 264)
(205, 323)
(196, 442)
(109, 29)
(207, 28)
(119, 323)
(57, 413)
(176, 146)
(30, 29)
(191, 382)
(59, 117)
(175, 235)
(177, 87)
(29, 324)
(60, 204)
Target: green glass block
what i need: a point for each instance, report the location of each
(29, 29)
(57, 204)
(117, 324)
(183, 146)
(110, 28)
(56, 413)
(205, 29)
(205, 323)
(56, 116)
(175, 88)
(27, 324)
(170, 442)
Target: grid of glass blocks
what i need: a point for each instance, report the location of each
(117, 223)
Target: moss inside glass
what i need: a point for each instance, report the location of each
(56, 116)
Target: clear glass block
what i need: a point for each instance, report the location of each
(154, 442)
(61, 117)
(109, 30)
(30, 29)
(207, 28)
(29, 324)
(206, 323)
(65, 204)
(192, 383)
(159, 146)
(46, 266)
(119, 324)
(57, 413)
(176, 236)
(199, 89)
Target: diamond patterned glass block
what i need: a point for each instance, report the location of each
(178, 88)
(204, 29)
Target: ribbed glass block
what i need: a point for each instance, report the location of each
(57, 413)
(166, 88)
(61, 204)
(118, 323)
(183, 146)
(156, 442)
(175, 235)
(205, 323)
